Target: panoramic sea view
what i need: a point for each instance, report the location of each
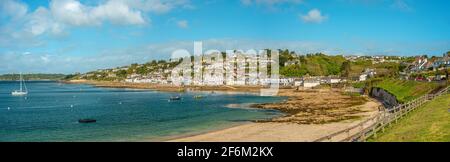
(223, 79)
(51, 110)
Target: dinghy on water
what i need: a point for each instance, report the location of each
(198, 97)
(23, 88)
(176, 98)
(87, 121)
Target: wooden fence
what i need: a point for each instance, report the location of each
(370, 127)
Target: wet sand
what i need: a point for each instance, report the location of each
(280, 131)
(318, 106)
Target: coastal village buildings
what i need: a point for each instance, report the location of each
(246, 70)
(375, 59)
(423, 64)
(368, 73)
(419, 63)
(239, 70)
(311, 82)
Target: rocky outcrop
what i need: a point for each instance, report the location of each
(388, 99)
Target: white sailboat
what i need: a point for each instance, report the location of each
(23, 88)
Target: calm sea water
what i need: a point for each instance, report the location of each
(51, 112)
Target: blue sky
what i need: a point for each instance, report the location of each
(66, 36)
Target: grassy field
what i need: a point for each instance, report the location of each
(429, 123)
(406, 90)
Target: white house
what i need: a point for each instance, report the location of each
(363, 77)
(298, 83)
(331, 80)
(310, 83)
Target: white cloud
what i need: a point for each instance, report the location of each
(65, 13)
(246, 2)
(401, 5)
(41, 21)
(270, 4)
(45, 59)
(74, 13)
(54, 63)
(313, 16)
(13, 8)
(24, 27)
(158, 6)
(183, 24)
(119, 13)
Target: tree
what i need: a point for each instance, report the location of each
(122, 73)
(285, 56)
(153, 63)
(142, 70)
(293, 71)
(446, 74)
(345, 69)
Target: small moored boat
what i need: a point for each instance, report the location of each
(198, 97)
(23, 88)
(175, 98)
(87, 121)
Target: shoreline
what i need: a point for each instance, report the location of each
(166, 88)
(274, 131)
(307, 114)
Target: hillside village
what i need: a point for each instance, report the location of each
(308, 70)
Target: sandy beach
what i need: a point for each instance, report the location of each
(280, 131)
(269, 132)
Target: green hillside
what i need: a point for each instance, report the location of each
(314, 65)
(324, 65)
(406, 90)
(429, 123)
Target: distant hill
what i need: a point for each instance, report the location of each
(314, 65)
(33, 76)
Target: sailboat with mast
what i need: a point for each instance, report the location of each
(23, 88)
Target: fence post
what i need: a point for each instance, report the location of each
(362, 131)
(374, 129)
(395, 117)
